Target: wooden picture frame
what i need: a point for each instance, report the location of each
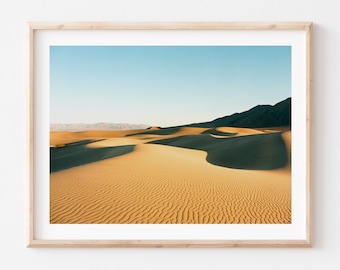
(299, 33)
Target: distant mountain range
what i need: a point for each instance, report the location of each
(257, 117)
(96, 126)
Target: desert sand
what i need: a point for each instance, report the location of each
(176, 175)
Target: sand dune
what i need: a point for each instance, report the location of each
(163, 183)
(260, 151)
(65, 137)
(239, 131)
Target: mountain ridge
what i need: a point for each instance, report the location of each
(95, 126)
(259, 116)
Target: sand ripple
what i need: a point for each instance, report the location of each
(164, 184)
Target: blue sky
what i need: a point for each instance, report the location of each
(164, 85)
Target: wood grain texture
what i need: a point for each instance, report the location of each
(37, 26)
(170, 25)
(169, 243)
(30, 120)
(309, 83)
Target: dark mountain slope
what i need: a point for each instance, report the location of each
(258, 117)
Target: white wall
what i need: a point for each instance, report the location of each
(13, 174)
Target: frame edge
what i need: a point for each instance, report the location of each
(32, 26)
(168, 244)
(309, 89)
(195, 25)
(30, 116)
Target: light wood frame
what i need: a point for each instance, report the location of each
(34, 27)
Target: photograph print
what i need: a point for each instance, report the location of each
(170, 135)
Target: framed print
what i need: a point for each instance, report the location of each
(170, 134)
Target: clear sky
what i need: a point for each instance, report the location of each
(164, 85)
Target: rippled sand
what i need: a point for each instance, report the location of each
(157, 183)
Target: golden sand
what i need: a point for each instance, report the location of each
(165, 184)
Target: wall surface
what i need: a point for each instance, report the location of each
(325, 125)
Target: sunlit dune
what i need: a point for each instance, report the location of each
(239, 131)
(274, 129)
(116, 142)
(139, 177)
(65, 137)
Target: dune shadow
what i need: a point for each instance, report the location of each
(76, 154)
(161, 131)
(214, 131)
(252, 152)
